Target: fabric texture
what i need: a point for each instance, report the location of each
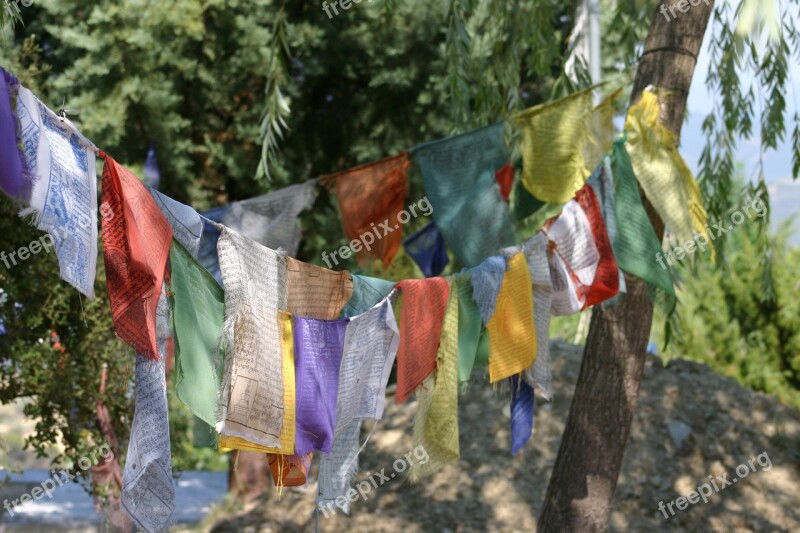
(470, 327)
(512, 333)
(505, 180)
(424, 304)
(605, 284)
(198, 304)
(136, 243)
(186, 224)
(636, 245)
(436, 419)
(487, 278)
(521, 413)
(11, 168)
(62, 185)
(602, 183)
(316, 292)
(367, 292)
(458, 174)
(427, 248)
(662, 172)
(557, 139)
(368, 196)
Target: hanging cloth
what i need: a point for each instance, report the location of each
(11, 168)
(561, 140)
(370, 347)
(662, 172)
(521, 413)
(198, 304)
(459, 178)
(316, 292)
(367, 292)
(605, 284)
(136, 243)
(487, 278)
(602, 183)
(186, 224)
(62, 180)
(369, 195)
(512, 333)
(436, 419)
(505, 180)
(148, 494)
(426, 247)
(470, 327)
(424, 304)
(637, 244)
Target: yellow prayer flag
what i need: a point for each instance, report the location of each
(512, 333)
(662, 172)
(562, 142)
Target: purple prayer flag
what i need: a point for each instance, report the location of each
(318, 348)
(10, 158)
(521, 413)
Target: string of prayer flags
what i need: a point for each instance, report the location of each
(318, 349)
(505, 180)
(573, 258)
(487, 278)
(512, 333)
(522, 406)
(605, 284)
(424, 305)
(198, 305)
(602, 183)
(367, 293)
(148, 494)
(316, 292)
(368, 196)
(272, 219)
(11, 170)
(186, 224)
(136, 243)
(436, 419)
(62, 180)
(637, 244)
(557, 138)
(458, 174)
(539, 376)
(427, 248)
(662, 172)
(257, 403)
(370, 348)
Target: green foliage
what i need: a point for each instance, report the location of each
(727, 323)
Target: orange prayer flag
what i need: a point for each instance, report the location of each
(424, 304)
(368, 196)
(136, 242)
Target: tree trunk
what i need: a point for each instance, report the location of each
(584, 478)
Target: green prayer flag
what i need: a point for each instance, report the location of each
(473, 341)
(198, 304)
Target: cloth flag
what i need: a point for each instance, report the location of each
(459, 178)
(512, 333)
(367, 292)
(186, 224)
(11, 168)
(198, 304)
(316, 292)
(370, 347)
(207, 251)
(369, 195)
(424, 304)
(602, 183)
(136, 243)
(505, 180)
(62, 180)
(471, 352)
(662, 172)
(436, 419)
(521, 413)
(148, 494)
(606, 279)
(426, 247)
(487, 278)
(561, 140)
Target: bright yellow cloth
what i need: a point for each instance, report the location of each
(562, 142)
(662, 172)
(227, 444)
(512, 333)
(436, 419)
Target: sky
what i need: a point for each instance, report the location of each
(784, 191)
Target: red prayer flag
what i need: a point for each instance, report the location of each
(606, 278)
(136, 242)
(505, 179)
(422, 317)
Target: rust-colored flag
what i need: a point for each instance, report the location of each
(424, 305)
(370, 198)
(136, 242)
(606, 278)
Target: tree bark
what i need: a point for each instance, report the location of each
(584, 478)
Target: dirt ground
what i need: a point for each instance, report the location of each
(690, 424)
